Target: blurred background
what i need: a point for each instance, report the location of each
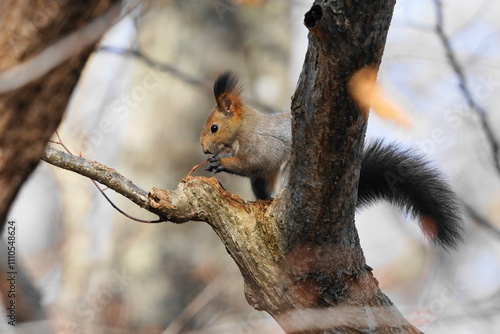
(140, 107)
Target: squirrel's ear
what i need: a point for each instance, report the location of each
(229, 104)
(228, 93)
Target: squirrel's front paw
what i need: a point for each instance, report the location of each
(215, 164)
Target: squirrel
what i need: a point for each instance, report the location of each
(246, 142)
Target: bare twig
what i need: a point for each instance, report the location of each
(175, 206)
(480, 111)
(464, 87)
(162, 67)
(155, 64)
(57, 53)
(196, 167)
(145, 221)
(60, 142)
(476, 216)
(100, 173)
(209, 293)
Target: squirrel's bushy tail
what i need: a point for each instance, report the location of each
(405, 178)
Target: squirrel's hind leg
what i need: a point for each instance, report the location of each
(263, 187)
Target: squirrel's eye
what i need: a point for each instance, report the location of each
(214, 128)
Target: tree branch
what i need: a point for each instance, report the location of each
(137, 54)
(98, 172)
(464, 88)
(247, 229)
(480, 219)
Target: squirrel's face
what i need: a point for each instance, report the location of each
(220, 132)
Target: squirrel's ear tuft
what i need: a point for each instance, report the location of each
(226, 82)
(227, 91)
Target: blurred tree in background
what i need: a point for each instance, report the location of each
(147, 89)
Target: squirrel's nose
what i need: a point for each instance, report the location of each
(206, 151)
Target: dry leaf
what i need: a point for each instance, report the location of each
(365, 91)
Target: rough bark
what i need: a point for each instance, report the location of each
(328, 137)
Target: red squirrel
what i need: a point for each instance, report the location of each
(248, 143)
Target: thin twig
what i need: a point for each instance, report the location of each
(207, 295)
(60, 142)
(196, 167)
(205, 85)
(159, 220)
(476, 216)
(154, 64)
(464, 87)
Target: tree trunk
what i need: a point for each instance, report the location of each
(33, 99)
(300, 255)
